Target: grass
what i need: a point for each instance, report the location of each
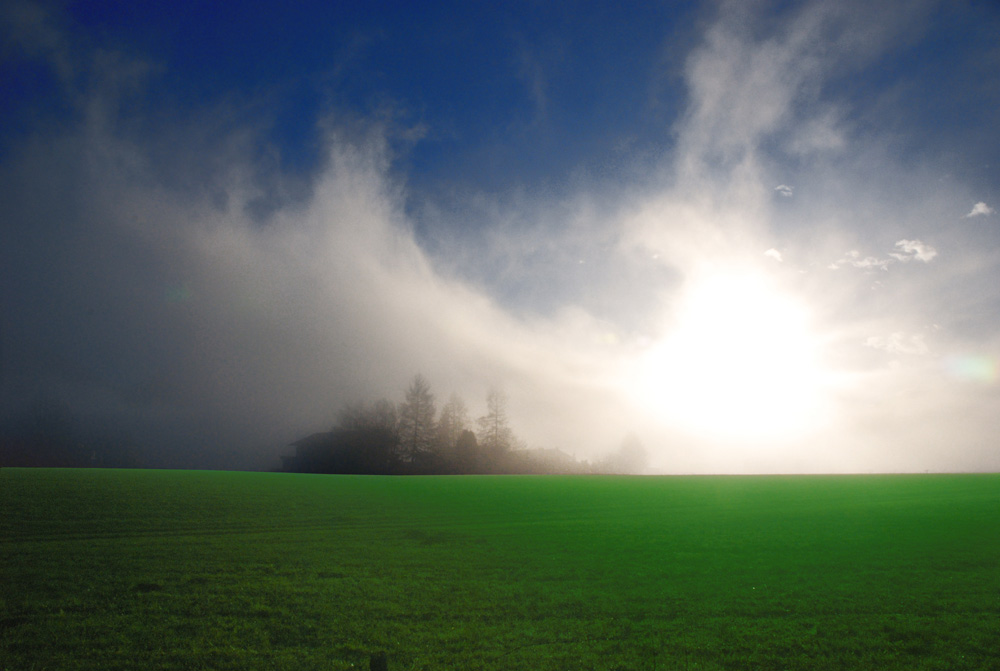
(107, 569)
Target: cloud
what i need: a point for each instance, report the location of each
(913, 249)
(184, 309)
(774, 254)
(908, 250)
(853, 258)
(822, 134)
(31, 28)
(980, 209)
(784, 190)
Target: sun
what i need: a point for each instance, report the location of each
(739, 362)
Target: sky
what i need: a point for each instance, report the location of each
(763, 237)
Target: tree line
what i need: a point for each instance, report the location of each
(414, 438)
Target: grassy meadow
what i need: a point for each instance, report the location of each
(120, 569)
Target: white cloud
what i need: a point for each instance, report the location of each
(784, 190)
(913, 249)
(774, 254)
(907, 250)
(853, 258)
(980, 209)
(821, 134)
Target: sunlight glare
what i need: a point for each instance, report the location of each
(738, 364)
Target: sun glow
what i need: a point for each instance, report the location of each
(739, 363)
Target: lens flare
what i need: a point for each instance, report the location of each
(975, 368)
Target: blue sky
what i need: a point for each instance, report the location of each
(762, 236)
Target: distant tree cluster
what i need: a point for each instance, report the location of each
(413, 438)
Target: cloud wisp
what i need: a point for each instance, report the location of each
(910, 250)
(906, 251)
(980, 209)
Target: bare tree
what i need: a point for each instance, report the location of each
(495, 436)
(453, 421)
(416, 421)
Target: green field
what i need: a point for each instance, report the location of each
(106, 569)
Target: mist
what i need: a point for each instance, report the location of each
(167, 274)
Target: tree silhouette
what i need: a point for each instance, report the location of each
(368, 435)
(379, 415)
(416, 422)
(466, 455)
(383, 438)
(453, 421)
(495, 436)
